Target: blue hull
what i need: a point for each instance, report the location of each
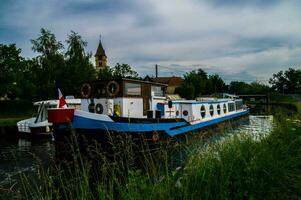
(171, 128)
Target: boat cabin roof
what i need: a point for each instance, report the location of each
(123, 87)
(54, 102)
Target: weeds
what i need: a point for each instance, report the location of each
(237, 167)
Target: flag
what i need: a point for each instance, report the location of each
(62, 102)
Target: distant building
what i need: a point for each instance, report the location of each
(173, 82)
(100, 58)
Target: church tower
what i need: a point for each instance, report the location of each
(100, 58)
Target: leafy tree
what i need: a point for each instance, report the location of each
(239, 87)
(78, 66)
(215, 84)
(124, 71)
(196, 80)
(118, 71)
(49, 64)
(287, 82)
(105, 74)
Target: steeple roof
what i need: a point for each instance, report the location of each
(100, 50)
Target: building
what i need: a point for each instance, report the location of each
(173, 82)
(100, 58)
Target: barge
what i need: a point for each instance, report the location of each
(138, 108)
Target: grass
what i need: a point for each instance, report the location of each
(13, 111)
(237, 167)
(12, 121)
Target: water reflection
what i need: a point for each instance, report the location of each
(22, 155)
(257, 126)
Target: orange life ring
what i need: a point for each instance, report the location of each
(110, 88)
(86, 90)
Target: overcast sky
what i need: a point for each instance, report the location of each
(239, 40)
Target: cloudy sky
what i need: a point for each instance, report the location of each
(238, 39)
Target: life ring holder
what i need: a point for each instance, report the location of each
(111, 83)
(86, 93)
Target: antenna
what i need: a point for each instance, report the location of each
(156, 71)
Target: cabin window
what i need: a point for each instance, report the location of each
(225, 108)
(203, 111)
(158, 91)
(132, 89)
(211, 110)
(238, 105)
(231, 107)
(218, 109)
(185, 112)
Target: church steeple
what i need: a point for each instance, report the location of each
(100, 57)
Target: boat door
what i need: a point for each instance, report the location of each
(146, 96)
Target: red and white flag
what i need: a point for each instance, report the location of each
(62, 102)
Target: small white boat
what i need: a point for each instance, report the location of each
(39, 125)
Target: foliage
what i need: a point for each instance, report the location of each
(117, 72)
(239, 87)
(215, 84)
(49, 64)
(288, 82)
(197, 83)
(194, 84)
(78, 66)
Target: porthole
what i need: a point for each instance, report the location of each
(225, 108)
(218, 109)
(203, 111)
(211, 110)
(99, 108)
(177, 113)
(185, 112)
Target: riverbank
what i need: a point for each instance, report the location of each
(237, 167)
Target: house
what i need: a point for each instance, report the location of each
(173, 82)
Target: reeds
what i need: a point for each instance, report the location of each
(237, 167)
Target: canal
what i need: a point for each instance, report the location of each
(23, 155)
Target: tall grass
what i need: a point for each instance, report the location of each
(237, 167)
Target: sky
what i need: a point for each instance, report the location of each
(237, 39)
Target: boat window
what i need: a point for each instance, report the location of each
(177, 113)
(185, 112)
(132, 89)
(203, 111)
(225, 108)
(211, 110)
(238, 105)
(231, 107)
(158, 91)
(218, 109)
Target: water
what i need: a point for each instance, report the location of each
(22, 155)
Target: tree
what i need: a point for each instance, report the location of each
(287, 82)
(124, 71)
(78, 66)
(49, 64)
(117, 72)
(215, 84)
(196, 80)
(105, 74)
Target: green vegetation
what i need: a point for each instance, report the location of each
(38, 78)
(237, 167)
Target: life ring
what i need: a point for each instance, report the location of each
(99, 108)
(112, 88)
(86, 90)
(155, 136)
